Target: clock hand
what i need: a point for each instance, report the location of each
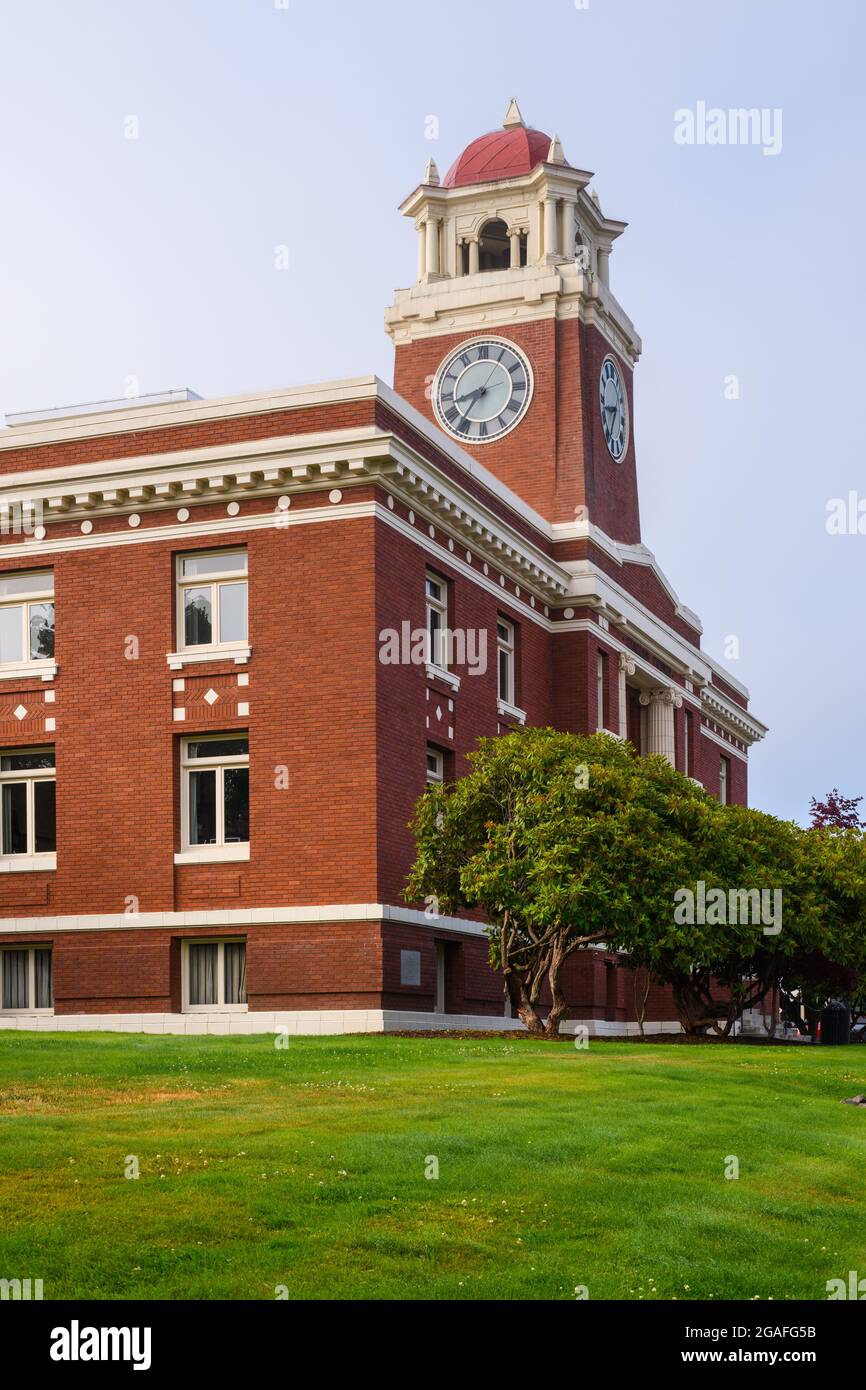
(479, 391)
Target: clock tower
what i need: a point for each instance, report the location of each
(511, 340)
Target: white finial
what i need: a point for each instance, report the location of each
(431, 173)
(555, 154)
(593, 193)
(512, 115)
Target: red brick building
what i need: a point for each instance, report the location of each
(238, 636)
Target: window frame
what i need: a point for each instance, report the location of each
(507, 647)
(220, 942)
(724, 780)
(31, 858)
(25, 601)
(221, 850)
(214, 580)
(436, 648)
(435, 778)
(31, 950)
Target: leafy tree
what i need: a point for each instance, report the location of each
(562, 841)
(834, 867)
(758, 913)
(565, 841)
(837, 812)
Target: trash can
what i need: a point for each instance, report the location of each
(836, 1025)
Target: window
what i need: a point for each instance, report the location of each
(505, 655)
(724, 780)
(26, 618)
(215, 975)
(687, 742)
(437, 621)
(27, 807)
(600, 686)
(410, 967)
(215, 797)
(435, 764)
(212, 599)
(25, 979)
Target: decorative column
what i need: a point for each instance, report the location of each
(421, 228)
(473, 255)
(460, 244)
(568, 228)
(551, 246)
(602, 257)
(514, 238)
(660, 705)
(626, 668)
(432, 246)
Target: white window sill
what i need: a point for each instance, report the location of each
(620, 738)
(45, 670)
(216, 1009)
(26, 1013)
(27, 863)
(440, 674)
(511, 711)
(177, 660)
(214, 854)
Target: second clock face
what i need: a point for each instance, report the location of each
(614, 412)
(482, 390)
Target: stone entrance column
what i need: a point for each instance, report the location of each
(660, 705)
(626, 668)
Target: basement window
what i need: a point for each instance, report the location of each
(25, 980)
(214, 976)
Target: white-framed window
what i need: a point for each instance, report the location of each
(435, 765)
(25, 980)
(214, 976)
(28, 817)
(26, 619)
(215, 797)
(212, 600)
(437, 621)
(723, 781)
(505, 653)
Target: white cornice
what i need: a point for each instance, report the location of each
(231, 918)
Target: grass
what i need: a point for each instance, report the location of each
(305, 1167)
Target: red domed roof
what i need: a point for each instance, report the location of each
(502, 154)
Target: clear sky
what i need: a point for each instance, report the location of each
(262, 125)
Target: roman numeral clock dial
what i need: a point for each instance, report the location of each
(482, 390)
(614, 410)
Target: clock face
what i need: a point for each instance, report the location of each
(482, 390)
(614, 411)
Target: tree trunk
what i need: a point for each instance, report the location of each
(522, 1004)
(558, 1004)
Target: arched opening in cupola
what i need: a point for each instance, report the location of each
(494, 246)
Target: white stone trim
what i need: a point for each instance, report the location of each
(510, 711)
(26, 863)
(307, 1022)
(238, 918)
(218, 854)
(29, 670)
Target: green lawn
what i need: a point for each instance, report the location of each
(305, 1167)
